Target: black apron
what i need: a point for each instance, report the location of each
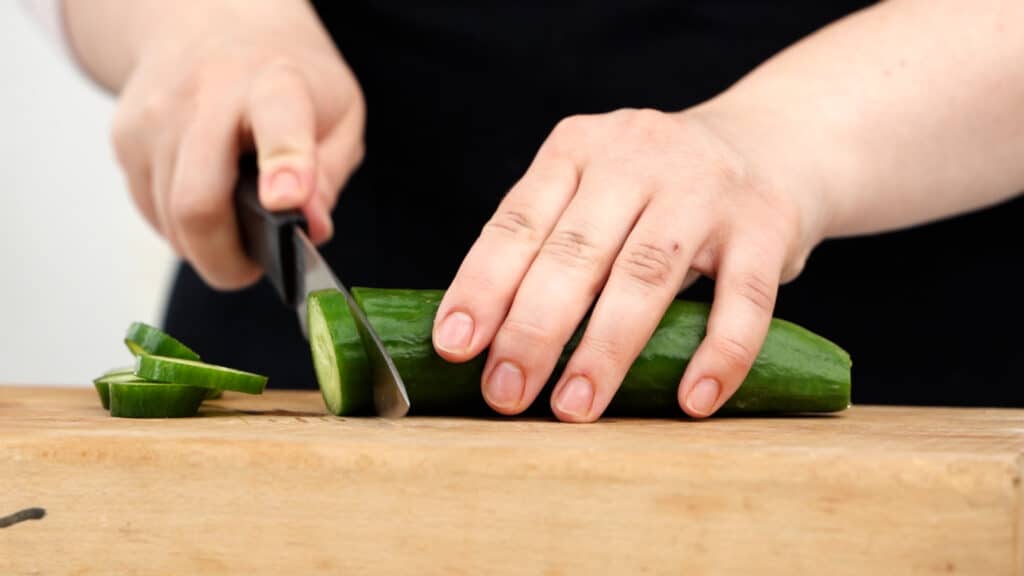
(460, 96)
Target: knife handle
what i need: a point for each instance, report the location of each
(267, 237)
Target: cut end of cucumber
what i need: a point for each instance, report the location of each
(325, 360)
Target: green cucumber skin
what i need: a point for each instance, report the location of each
(404, 322)
(154, 400)
(796, 370)
(142, 339)
(192, 373)
(103, 389)
(354, 393)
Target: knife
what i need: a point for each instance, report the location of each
(278, 241)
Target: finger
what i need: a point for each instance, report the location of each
(643, 281)
(281, 114)
(138, 179)
(478, 298)
(338, 155)
(342, 150)
(133, 156)
(162, 171)
(318, 219)
(202, 203)
(562, 282)
(746, 285)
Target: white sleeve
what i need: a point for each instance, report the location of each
(50, 16)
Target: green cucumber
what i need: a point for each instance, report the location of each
(796, 370)
(193, 373)
(154, 399)
(142, 339)
(115, 375)
(339, 358)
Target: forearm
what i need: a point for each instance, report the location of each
(108, 36)
(906, 112)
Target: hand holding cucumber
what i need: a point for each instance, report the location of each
(621, 211)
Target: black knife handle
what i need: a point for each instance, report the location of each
(267, 237)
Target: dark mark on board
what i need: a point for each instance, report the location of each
(21, 516)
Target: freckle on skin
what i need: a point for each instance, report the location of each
(675, 247)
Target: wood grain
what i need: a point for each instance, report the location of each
(272, 485)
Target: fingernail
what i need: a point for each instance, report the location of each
(505, 388)
(285, 186)
(576, 397)
(455, 332)
(703, 397)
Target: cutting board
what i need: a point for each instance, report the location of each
(273, 485)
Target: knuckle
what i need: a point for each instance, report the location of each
(124, 132)
(513, 223)
(643, 129)
(758, 291)
(738, 355)
(153, 110)
(282, 68)
(646, 120)
(530, 333)
(193, 208)
(570, 127)
(648, 264)
(568, 137)
(605, 350)
(731, 172)
(572, 248)
(474, 281)
(276, 75)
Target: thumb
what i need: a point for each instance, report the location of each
(283, 121)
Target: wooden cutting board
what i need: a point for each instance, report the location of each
(272, 485)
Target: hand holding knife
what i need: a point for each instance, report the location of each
(278, 242)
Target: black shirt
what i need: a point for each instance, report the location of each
(461, 94)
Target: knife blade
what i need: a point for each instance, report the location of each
(278, 242)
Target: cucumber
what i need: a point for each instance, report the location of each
(154, 399)
(193, 373)
(115, 375)
(796, 370)
(339, 359)
(142, 339)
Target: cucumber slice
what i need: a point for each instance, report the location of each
(193, 373)
(339, 358)
(145, 339)
(154, 399)
(116, 375)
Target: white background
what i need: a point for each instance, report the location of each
(77, 262)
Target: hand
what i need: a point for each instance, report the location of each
(626, 208)
(208, 84)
